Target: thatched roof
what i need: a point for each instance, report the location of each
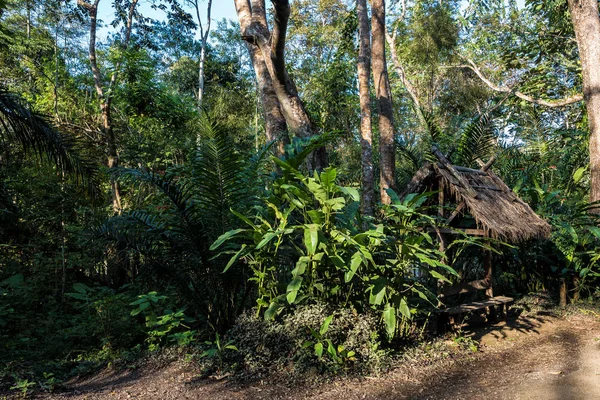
(496, 209)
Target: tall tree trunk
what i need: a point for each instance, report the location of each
(387, 148)
(255, 30)
(584, 14)
(203, 41)
(275, 125)
(366, 142)
(106, 98)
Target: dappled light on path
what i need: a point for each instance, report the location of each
(534, 357)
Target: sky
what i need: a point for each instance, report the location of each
(220, 9)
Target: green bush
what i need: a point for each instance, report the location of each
(268, 347)
(306, 245)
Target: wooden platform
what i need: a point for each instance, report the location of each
(451, 318)
(477, 305)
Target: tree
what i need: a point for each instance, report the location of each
(383, 93)
(278, 91)
(586, 23)
(106, 96)
(364, 72)
(203, 41)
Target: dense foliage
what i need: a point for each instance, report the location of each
(250, 257)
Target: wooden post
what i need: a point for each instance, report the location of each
(575, 298)
(487, 264)
(563, 292)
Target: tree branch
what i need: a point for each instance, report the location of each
(85, 4)
(282, 16)
(410, 88)
(505, 89)
(93, 12)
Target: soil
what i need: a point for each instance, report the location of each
(536, 357)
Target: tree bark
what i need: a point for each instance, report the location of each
(387, 149)
(366, 142)
(275, 124)
(586, 23)
(255, 30)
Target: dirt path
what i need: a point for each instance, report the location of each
(531, 358)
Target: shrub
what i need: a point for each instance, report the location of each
(268, 347)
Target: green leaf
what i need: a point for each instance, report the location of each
(325, 326)
(16, 280)
(301, 265)
(404, 309)
(271, 311)
(352, 192)
(209, 353)
(80, 288)
(292, 289)
(78, 296)
(378, 291)
(316, 216)
(393, 196)
(331, 349)
(389, 317)
(240, 253)
(307, 344)
(439, 276)
(354, 264)
(311, 238)
(266, 239)
(595, 231)
(338, 261)
(224, 237)
(578, 175)
(317, 190)
(328, 177)
(319, 349)
(336, 204)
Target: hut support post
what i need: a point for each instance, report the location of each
(487, 264)
(563, 292)
(575, 298)
(489, 291)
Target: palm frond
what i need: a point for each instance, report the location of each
(434, 131)
(411, 155)
(180, 195)
(19, 124)
(434, 134)
(218, 176)
(300, 148)
(477, 140)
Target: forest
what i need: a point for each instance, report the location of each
(301, 192)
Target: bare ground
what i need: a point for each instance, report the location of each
(536, 357)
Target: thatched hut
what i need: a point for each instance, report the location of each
(495, 209)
